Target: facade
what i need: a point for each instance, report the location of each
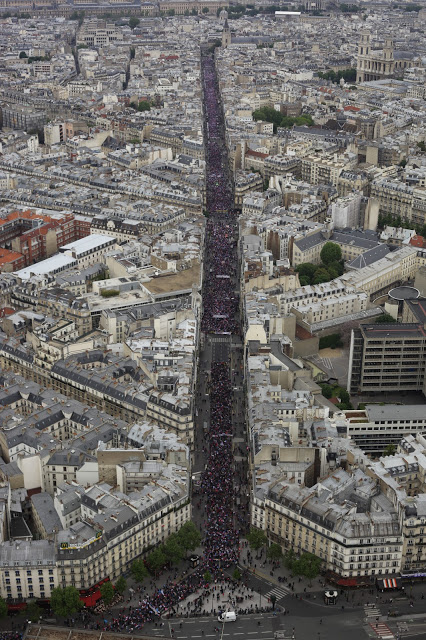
(379, 64)
(388, 358)
(360, 540)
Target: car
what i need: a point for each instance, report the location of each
(227, 616)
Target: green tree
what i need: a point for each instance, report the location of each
(307, 269)
(139, 571)
(133, 22)
(189, 536)
(273, 601)
(308, 565)
(23, 55)
(330, 253)
(289, 559)
(421, 145)
(33, 612)
(121, 585)
(207, 577)
(236, 575)
(205, 9)
(173, 550)
(107, 593)
(274, 552)
(304, 281)
(144, 105)
(384, 318)
(3, 608)
(256, 539)
(186, 12)
(327, 390)
(156, 560)
(343, 395)
(337, 267)
(390, 450)
(321, 275)
(65, 601)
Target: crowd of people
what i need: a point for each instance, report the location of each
(220, 301)
(217, 482)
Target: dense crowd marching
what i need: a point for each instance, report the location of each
(221, 538)
(220, 301)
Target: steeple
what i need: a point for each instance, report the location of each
(226, 35)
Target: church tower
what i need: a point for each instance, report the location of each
(226, 35)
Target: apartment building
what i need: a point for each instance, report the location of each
(28, 569)
(401, 478)
(280, 165)
(344, 519)
(323, 169)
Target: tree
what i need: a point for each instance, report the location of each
(308, 565)
(307, 269)
(343, 395)
(331, 252)
(390, 450)
(207, 577)
(65, 601)
(304, 281)
(23, 55)
(205, 9)
(384, 318)
(133, 22)
(121, 585)
(107, 593)
(274, 552)
(144, 105)
(173, 549)
(139, 571)
(327, 390)
(3, 608)
(273, 601)
(256, 539)
(33, 612)
(236, 575)
(289, 559)
(321, 275)
(189, 536)
(156, 560)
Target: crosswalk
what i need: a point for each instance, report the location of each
(382, 630)
(278, 592)
(371, 611)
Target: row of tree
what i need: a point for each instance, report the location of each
(268, 114)
(331, 266)
(387, 219)
(171, 552)
(348, 75)
(307, 564)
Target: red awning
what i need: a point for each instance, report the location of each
(91, 600)
(347, 582)
(16, 606)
